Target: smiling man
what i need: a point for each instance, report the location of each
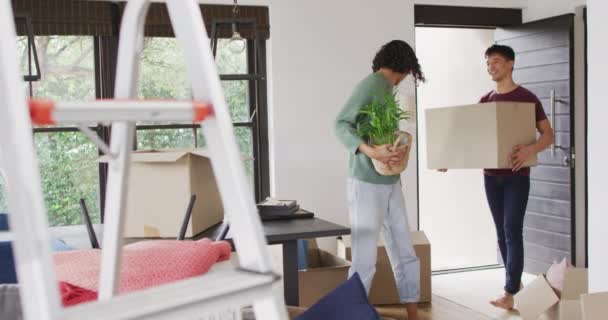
(507, 189)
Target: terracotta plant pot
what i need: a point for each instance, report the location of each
(402, 138)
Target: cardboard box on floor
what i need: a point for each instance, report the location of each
(479, 135)
(324, 273)
(161, 183)
(384, 290)
(538, 300)
(594, 306)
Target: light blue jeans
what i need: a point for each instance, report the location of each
(375, 207)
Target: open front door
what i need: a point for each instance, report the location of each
(544, 64)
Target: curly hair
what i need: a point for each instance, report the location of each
(399, 57)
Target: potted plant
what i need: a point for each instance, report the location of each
(378, 124)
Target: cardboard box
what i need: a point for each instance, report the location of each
(325, 272)
(594, 306)
(535, 299)
(383, 290)
(160, 186)
(478, 136)
(539, 301)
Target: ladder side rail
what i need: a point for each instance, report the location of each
(27, 213)
(235, 190)
(237, 196)
(121, 144)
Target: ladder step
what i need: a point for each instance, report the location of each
(47, 112)
(218, 289)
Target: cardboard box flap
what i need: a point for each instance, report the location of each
(535, 298)
(158, 156)
(594, 306)
(312, 243)
(319, 259)
(329, 260)
(167, 155)
(201, 153)
(417, 237)
(205, 153)
(153, 155)
(575, 283)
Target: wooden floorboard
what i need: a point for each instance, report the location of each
(439, 309)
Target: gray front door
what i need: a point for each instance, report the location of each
(544, 65)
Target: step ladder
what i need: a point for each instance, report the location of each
(251, 283)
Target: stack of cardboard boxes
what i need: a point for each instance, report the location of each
(384, 290)
(326, 271)
(540, 301)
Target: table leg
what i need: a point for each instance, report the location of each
(290, 273)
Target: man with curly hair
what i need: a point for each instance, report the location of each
(375, 201)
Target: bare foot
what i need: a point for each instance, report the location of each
(412, 311)
(505, 302)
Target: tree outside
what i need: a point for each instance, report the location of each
(68, 160)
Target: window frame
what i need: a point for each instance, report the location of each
(105, 56)
(258, 106)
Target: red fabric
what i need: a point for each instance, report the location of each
(72, 295)
(144, 264)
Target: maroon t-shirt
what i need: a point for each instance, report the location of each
(520, 94)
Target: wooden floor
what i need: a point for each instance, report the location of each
(439, 309)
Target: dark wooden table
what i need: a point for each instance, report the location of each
(287, 233)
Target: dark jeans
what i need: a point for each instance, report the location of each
(508, 198)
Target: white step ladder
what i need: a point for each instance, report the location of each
(188, 299)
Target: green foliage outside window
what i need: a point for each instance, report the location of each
(68, 160)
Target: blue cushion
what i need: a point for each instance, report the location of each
(348, 301)
(7, 262)
(3, 222)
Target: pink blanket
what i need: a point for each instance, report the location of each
(144, 264)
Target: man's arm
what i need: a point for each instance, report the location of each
(522, 153)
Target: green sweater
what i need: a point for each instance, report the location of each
(360, 166)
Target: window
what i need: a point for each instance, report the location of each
(67, 159)
(163, 75)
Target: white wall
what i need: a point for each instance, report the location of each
(318, 56)
(540, 9)
(454, 203)
(597, 152)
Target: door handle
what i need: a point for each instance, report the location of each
(553, 100)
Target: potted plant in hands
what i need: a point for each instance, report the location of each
(378, 124)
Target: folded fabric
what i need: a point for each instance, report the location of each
(73, 295)
(347, 301)
(144, 264)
